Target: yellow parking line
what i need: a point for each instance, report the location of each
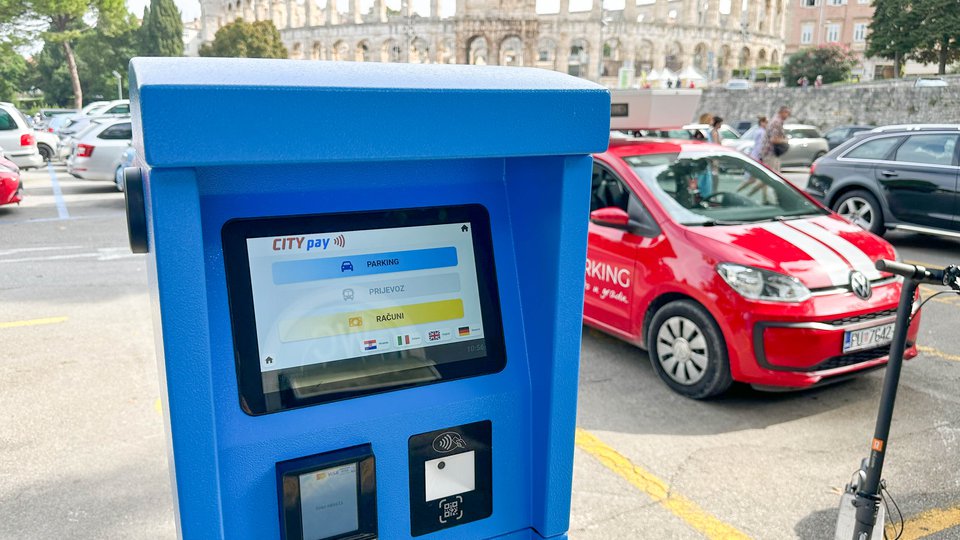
(939, 354)
(658, 490)
(32, 322)
(927, 523)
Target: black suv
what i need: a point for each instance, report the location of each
(894, 177)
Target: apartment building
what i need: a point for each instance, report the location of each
(811, 23)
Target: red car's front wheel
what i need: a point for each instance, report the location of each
(688, 351)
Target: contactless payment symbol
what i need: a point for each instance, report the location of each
(448, 441)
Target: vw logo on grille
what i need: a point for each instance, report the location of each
(860, 285)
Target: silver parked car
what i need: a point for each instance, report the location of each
(78, 123)
(98, 151)
(17, 138)
(806, 145)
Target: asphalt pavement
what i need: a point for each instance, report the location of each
(83, 453)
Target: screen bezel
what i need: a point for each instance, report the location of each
(235, 233)
(290, 502)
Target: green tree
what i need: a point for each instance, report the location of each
(98, 51)
(831, 61)
(101, 52)
(13, 70)
(938, 32)
(893, 32)
(49, 74)
(60, 22)
(246, 40)
(161, 33)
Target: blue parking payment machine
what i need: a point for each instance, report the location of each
(367, 286)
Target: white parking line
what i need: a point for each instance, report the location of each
(102, 254)
(62, 212)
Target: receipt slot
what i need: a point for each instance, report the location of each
(366, 281)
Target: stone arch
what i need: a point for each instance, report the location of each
(723, 62)
(547, 53)
(775, 58)
(511, 51)
(477, 51)
(296, 52)
(419, 51)
(340, 51)
(447, 51)
(361, 52)
(579, 58)
(316, 51)
(611, 58)
(700, 57)
(743, 58)
(643, 54)
(391, 51)
(673, 59)
(762, 57)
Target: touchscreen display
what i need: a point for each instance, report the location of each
(343, 306)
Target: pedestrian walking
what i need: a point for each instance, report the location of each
(803, 82)
(775, 142)
(749, 181)
(818, 82)
(715, 130)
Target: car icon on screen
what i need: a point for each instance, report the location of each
(346, 265)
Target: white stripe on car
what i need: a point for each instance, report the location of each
(831, 263)
(848, 251)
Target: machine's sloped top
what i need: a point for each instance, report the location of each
(218, 111)
(269, 73)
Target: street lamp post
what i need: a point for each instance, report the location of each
(119, 84)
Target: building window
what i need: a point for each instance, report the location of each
(806, 34)
(836, 2)
(810, 3)
(860, 32)
(863, 1)
(833, 33)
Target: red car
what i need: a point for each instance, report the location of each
(11, 188)
(725, 272)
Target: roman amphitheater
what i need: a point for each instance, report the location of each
(713, 37)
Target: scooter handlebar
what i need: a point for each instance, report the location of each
(949, 276)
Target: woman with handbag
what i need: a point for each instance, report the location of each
(775, 142)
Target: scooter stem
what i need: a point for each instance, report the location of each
(868, 498)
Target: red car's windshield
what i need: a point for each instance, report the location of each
(707, 187)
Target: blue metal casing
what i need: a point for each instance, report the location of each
(232, 138)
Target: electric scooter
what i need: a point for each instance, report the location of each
(860, 503)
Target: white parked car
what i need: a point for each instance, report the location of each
(930, 82)
(98, 151)
(78, 123)
(17, 138)
(738, 84)
(47, 144)
(728, 136)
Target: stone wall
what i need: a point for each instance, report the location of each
(830, 106)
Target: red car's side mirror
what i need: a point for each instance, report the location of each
(610, 217)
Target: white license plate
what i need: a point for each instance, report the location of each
(867, 338)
